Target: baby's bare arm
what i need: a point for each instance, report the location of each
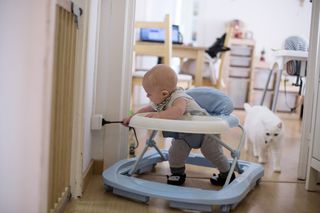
(176, 111)
(147, 108)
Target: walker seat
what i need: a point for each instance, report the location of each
(119, 177)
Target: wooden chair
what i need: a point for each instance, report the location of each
(163, 50)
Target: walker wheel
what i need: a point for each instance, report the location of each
(153, 167)
(147, 200)
(107, 188)
(258, 182)
(69, 196)
(225, 208)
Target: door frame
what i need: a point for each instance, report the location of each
(76, 177)
(311, 92)
(113, 82)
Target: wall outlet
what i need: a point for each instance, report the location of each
(96, 122)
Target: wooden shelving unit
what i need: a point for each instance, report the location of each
(237, 70)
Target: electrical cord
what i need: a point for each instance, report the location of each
(132, 148)
(104, 122)
(135, 135)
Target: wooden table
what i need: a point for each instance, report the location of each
(181, 51)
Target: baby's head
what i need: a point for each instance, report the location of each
(159, 83)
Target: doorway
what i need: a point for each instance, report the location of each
(200, 26)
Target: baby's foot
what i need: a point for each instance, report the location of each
(176, 179)
(219, 180)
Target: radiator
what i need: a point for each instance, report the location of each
(62, 106)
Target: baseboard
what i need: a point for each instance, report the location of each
(87, 175)
(95, 168)
(98, 167)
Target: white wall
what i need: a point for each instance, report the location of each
(271, 21)
(104, 93)
(25, 92)
(155, 10)
(113, 79)
(89, 101)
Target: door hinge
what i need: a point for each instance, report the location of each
(77, 12)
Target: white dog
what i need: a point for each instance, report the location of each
(265, 130)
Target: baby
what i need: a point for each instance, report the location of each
(170, 102)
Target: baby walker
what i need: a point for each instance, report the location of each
(120, 180)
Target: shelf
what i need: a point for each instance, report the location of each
(239, 41)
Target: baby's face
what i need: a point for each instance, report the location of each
(154, 94)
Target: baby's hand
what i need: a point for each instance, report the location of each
(126, 121)
(153, 115)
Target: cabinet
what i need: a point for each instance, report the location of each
(237, 70)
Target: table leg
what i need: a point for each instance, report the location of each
(277, 86)
(199, 68)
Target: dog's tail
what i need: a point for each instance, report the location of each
(247, 107)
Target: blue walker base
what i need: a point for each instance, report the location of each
(117, 179)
